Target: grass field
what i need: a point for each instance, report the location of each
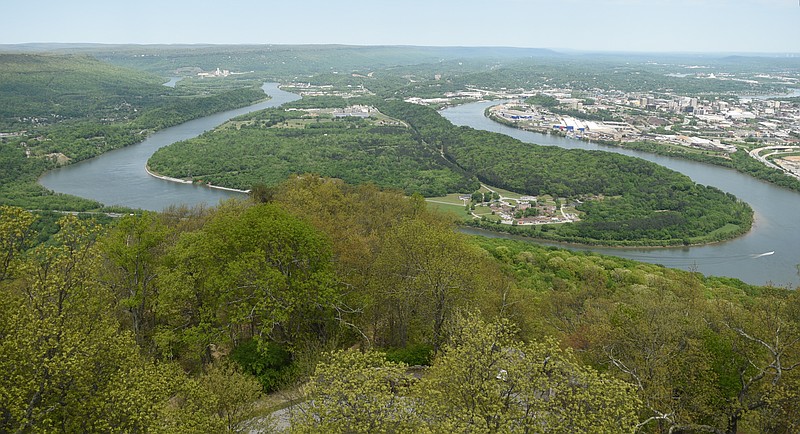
(447, 208)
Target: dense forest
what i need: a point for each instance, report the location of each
(644, 204)
(266, 148)
(180, 321)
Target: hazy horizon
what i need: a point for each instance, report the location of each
(45, 46)
(625, 26)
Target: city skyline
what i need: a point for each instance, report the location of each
(739, 26)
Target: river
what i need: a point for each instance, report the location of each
(792, 93)
(777, 212)
(173, 81)
(118, 178)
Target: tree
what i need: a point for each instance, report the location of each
(355, 392)
(422, 273)
(233, 392)
(66, 365)
(484, 380)
(133, 250)
(764, 357)
(649, 335)
(487, 381)
(15, 224)
(251, 270)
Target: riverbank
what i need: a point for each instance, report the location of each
(184, 181)
(539, 233)
(739, 161)
(775, 212)
(119, 177)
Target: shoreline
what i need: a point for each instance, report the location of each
(572, 244)
(183, 181)
(621, 145)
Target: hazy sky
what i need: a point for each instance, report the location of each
(615, 25)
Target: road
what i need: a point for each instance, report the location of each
(756, 153)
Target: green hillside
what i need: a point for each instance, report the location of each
(178, 322)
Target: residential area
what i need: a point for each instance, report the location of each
(508, 208)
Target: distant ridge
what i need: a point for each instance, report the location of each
(454, 51)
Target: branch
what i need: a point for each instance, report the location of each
(621, 366)
(747, 336)
(353, 326)
(659, 416)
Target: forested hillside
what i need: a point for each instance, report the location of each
(357, 308)
(411, 71)
(151, 323)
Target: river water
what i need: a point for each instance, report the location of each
(777, 213)
(173, 81)
(118, 178)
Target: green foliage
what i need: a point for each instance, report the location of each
(484, 381)
(15, 237)
(545, 101)
(657, 214)
(412, 355)
(133, 249)
(739, 160)
(66, 365)
(328, 265)
(354, 392)
(645, 204)
(269, 362)
(68, 108)
(18, 187)
(50, 88)
(233, 394)
(645, 323)
(423, 273)
(744, 163)
(176, 111)
(487, 381)
(403, 269)
(597, 115)
(250, 270)
(69, 365)
(349, 149)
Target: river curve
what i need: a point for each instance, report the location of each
(777, 212)
(118, 177)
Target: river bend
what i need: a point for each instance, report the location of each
(119, 178)
(777, 212)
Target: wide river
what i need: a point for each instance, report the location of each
(118, 177)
